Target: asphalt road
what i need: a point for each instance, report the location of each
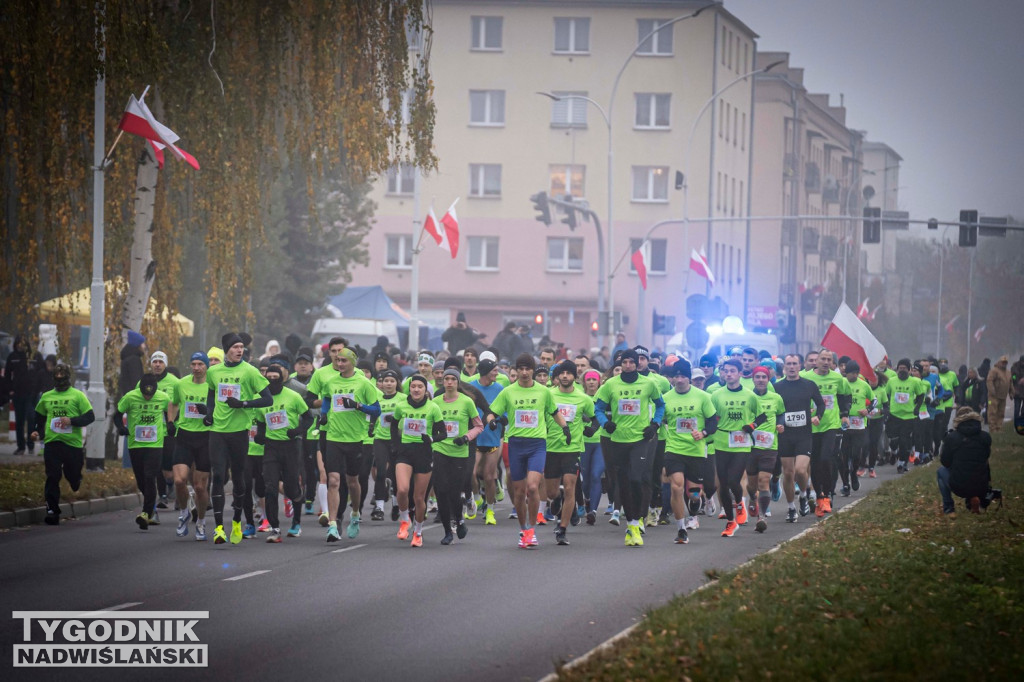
(369, 608)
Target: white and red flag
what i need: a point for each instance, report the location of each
(978, 332)
(445, 231)
(949, 325)
(847, 335)
(863, 312)
(639, 259)
(139, 120)
(699, 264)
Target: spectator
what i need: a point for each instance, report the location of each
(524, 342)
(273, 348)
(964, 470)
(22, 393)
(460, 335)
(44, 373)
(381, 347)
(131, 363)
(506, 341)
(998, 383)
(603, 359)
(973, 392)
(620, 344)
(1017, 386)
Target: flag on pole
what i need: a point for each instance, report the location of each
(639, 260)
(699, 264)
(978, 332)
(139, 120)
(874, 311)
(450, 220)
(847, 335)
(949, 325)
(863, 311)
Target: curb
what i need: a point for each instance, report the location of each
(76, 509)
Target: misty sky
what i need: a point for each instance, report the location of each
(939, 81)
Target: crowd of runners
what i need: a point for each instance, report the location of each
(651, 441)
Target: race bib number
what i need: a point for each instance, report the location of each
(923, 414)
(830, 400)
(57, 428)
(336, 404)
(686, 424)
(385, 418)
(225, 391)
(252, 433)
(191, 412)
(856, 423)
(527, 419)
(739, 439)
(452, 429)
(145, 434)
(764, 439)
(414, 427)
(629, 406)
(901, 397)
(568, 412)
(796, 419)
(276, 420)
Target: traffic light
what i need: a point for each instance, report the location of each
(540, 204)
(872, 225)
(968, 228)
(933, 224)
(570, 214)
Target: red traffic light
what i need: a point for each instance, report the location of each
(538, 319)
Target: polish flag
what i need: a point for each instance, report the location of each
(139, 120)
(863, 312)
(640, 263)
(699, 264)
(949, 325)
(802, 287)
(450, 220)
(978, 332)
(847, 335)
(871, 315)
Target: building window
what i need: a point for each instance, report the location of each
(568, 179)
(735, 125)
(486, 33)
(653, 110)
(485, 180)
(569, 111)
(743, 131)
(727, 122)
(482, 253)
(565, 254)
(572, 35)
(660, 43)
(399, 251)
(718, 190)
(657, 250)
(650, 183)
(725, 44)
(402, 179)
(487, 107)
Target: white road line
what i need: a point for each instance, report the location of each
(347, 549)
(246, 575)
(118, 607)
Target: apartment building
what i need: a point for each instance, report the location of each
(499, 142)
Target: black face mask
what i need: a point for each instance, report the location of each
(276, 385)
(62, 382)
(902, 374)
(629, 377)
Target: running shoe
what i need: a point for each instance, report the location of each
(512, 514)
(377, 514)
(237, 533)
(640, 528)
(499, 492)
(819, 509)
(394, 512)
(417, 540)
(531, 537)
(614, 520)
(761, 525)
(855, 482)
(182, 530)
(776, 489)
(523, 544)
(663, 517)
(681, 537)
(805, 507)
(872, 474)
(741, 514)
(287, 508)
(900, 468)
(652, 518)
(296, 529)
(154, 519)
(629, 536)
(403, 530)
(791, 516)
(861, 472)
(845, 491)
(560, 536)
(591, 518)
(913, 458)
(691, 523)
(432, 505)
(609, 509)
(638, 532)
(353, 526)
(471, 508)
(461, 530)
(575, 518)
(143, 521)
(264, 526)
(447, 539)
(489, 519)
(332, 532)
(325, 520)
(162, 504)
(219, 537)
(200, 532)
(275, 535)
(826, 503)
(722, 515)
(710, 507)
(753, 507)
(730, 529)
(541, 521)
(309, 508)
(249, 532)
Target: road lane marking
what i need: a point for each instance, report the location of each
(347, 549)
(246, 575)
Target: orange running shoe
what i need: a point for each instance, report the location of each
(417, 539)
(403, 530)
(541, 521)
(826, 504)
(730, 529)
(913, 458)
(741, 514)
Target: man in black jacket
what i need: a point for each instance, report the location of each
(22, 393)
(964, 470)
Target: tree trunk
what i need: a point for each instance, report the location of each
(143, 267)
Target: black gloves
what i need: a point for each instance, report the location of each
(322, 421)
(122, 430)
(427, 439)
(590, 429)
(172, 429)
(609, 426)
(651, 430)
(439, 432)
(348, 403)
(502, 421)
(460, 441)
(293, 433)
(260, 438)
(748, 428)
(208, 420)
(567, 434)
(371, 429)
(233, 402)
(200, 408)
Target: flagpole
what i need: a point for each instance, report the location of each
(414, 294)
(970, 298)
(106, 159)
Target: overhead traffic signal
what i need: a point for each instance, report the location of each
(570, 214)
(540, 204)
(968, 228)
(872, 225)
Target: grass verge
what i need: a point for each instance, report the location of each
(21, 485)
(889, 590)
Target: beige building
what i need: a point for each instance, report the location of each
(499, 142)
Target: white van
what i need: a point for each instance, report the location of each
(359, 331)
(721, 344)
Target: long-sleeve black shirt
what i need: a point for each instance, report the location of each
(797, 396)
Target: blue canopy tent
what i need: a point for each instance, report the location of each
(372, 303)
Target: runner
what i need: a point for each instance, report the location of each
(592, 460)
(855, 437)
(234, 387)
(528, 403)
(798, 395)
(60, 415)
(488, 442)
(383, 452)
(561, 465)
(876, 422)
(653, 491)
(470, 359)
(415, 425)
(690, 420)
(144, 407)
(835, 391)
(451, 455)
(906, 397)
(166, 381)
(764, 454)
(192, 447)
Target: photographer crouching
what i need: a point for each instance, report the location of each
(964, 470)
